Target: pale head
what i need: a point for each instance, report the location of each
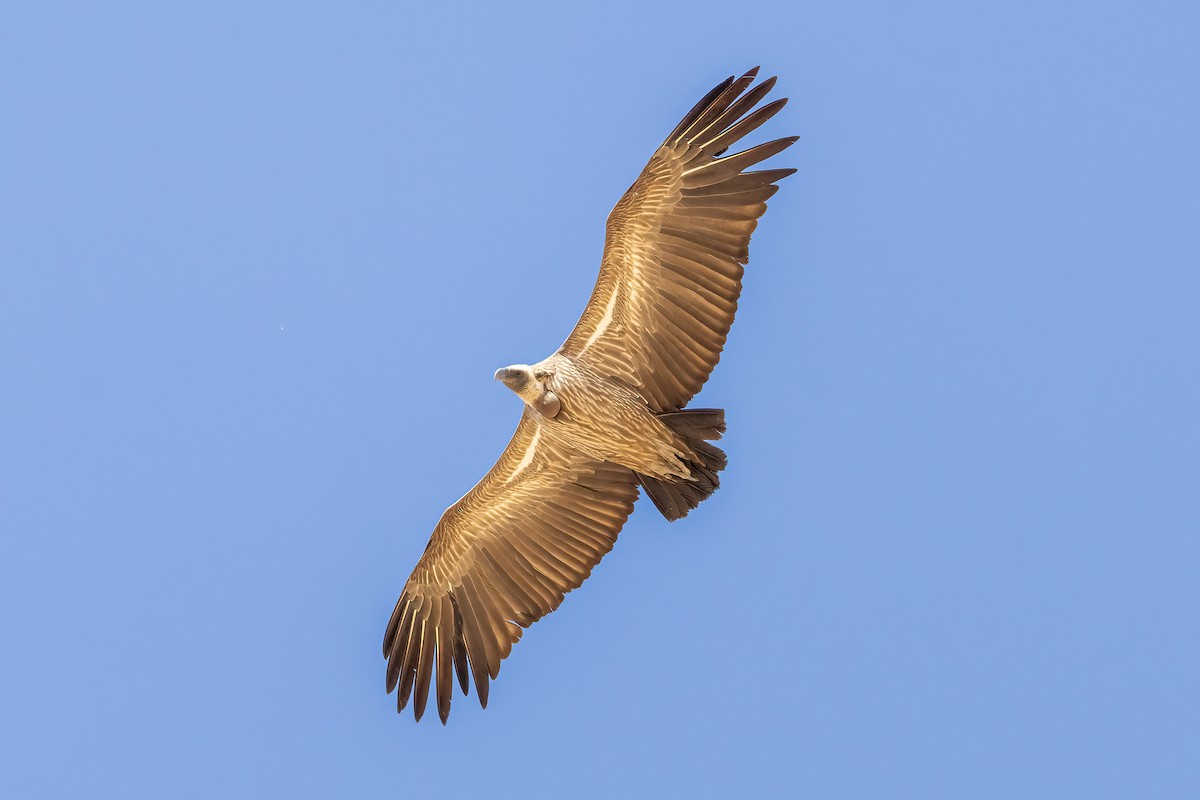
(530, 387)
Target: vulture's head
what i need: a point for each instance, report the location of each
(530, 387)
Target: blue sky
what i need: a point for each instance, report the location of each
(258, 263)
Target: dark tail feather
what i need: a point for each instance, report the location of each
(695, 426)
(696, 423)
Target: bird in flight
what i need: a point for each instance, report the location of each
(603, 414)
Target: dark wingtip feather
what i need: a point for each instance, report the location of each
(720, 170)
(460, 669)
(401, 701)
(392, 675)
(699, 108)
(393, 624)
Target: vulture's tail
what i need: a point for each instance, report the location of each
(697, 426)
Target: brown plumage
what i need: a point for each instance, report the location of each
(603, 414)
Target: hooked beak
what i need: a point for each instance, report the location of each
(510, 377)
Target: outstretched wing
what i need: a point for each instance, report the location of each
(675, 245)
(501, 558)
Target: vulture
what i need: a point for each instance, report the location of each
(604, 414)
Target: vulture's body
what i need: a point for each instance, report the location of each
(604, 413)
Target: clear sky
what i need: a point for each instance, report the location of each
(259, 261)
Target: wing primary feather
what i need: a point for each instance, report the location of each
(424, 672)
(460, 645)
(719, 104)
(477, 638)
(418, 611)
(393, 623)
(445, 646)
(744, 127)
(728, 167)
(746, 181)
(698, 109)
(735, 111)
(396, 657)
(401, 695)
(533, 605)
(408, 672)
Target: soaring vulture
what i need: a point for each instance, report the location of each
(603, 414)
